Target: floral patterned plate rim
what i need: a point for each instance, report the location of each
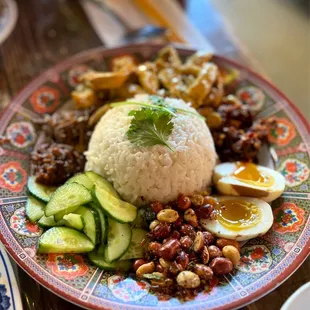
(266, 261)
(8, 18)
(9, 292)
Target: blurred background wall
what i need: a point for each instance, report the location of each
(277, 34)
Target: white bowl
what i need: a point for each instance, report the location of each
(299, 300)
(8, 20)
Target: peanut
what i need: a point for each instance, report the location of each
(188, 279)
(190, 217)
(221, 242)
(208, 238)
(154, 248)
(214, 251)
(174, 268)
(153, 224)
(170, 249)
(187, 230)
(221, 265)
(178, 222)
(204, 211)
(231, 253)
(183, 202)
(186, 242)
(203, 271)
(164, 262)
(198, 242)
(161, 231)
(159, 268)
(138, 262)
(145, 268)
(156, 206)
(167, 215)
(205, 256)
(197, 200)
(182, 260)
(175, 235)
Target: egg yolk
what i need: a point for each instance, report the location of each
(237, 214)
(248, 173)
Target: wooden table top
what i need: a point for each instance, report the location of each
(49, 31)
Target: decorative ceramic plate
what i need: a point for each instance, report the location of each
(266, 261)
(9, 293)
(8, 17)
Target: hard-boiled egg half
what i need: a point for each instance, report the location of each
(248, 179)
(240, 218)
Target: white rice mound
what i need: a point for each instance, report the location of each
(153, 173)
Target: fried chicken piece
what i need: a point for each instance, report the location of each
(202, 86)
(84, 97)
(148, 78)
(168, 57)
(104, 80)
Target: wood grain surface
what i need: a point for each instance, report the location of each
(48, 31)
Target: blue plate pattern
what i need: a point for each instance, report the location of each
(9, 292)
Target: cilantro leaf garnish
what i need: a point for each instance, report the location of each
(142, 104)
(164, 107)
(160, 102)
(150, 127)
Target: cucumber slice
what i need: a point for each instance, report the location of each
(34, 209)
(119, 210)
(73, 221)
(59, 216)
(119, 237)
(40, 191)
(92, 225)
(97, 259)
(138, 244)
(64, 240)
(67, 196)
(98, 180)
(82, 179)
(103, 222)
(46, 222)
